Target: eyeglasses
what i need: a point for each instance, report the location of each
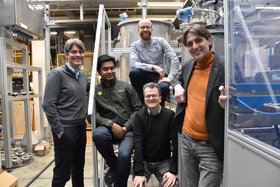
(149, 96)
(145, 27)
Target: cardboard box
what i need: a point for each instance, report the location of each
(42, 148)
(1, 170)
(8, 180)
(19, 120)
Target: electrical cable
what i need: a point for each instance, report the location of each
(257, 111)
(275, 142)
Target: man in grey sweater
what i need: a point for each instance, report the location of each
(65, 107)
(147, 61)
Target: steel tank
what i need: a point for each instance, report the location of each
(129, 34)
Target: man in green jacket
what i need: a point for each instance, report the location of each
(116, 104)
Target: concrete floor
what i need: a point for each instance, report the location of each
(26, 173)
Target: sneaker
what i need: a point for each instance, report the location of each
(109, 176)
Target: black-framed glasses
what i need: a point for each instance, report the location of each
(151, 96)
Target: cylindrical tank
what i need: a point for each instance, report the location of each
(129, 34)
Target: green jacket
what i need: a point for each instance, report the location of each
(116, 104)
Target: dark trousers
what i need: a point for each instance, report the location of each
(139, 78)
(69, 153)
(104, 140)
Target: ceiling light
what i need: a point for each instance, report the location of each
(69, 32)
(163, 4)
(39, 7)
(53, 33)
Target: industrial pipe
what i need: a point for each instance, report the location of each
(187, 13)
(144, 6)
(81, 11)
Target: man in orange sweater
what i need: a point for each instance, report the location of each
(200, 111)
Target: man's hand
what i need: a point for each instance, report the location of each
(60, 135)
(222, 98)
(169, 179)
(159, 70)
(124, 129)
(179, 94)
(164, 79)
(139, 181)
(117, 131)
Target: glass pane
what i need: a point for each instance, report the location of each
(254, 69)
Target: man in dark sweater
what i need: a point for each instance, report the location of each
(155, 141)
(65, 107)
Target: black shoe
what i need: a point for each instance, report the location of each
(109, 176)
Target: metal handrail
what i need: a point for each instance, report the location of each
(99, 39)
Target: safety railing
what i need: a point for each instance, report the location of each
(99, 48)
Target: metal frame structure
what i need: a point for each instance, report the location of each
(99, 40)
(7, 101)
(99, 48)
(252, 162)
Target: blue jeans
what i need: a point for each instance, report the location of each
(200, 164)
(139, 78)
(104, 140)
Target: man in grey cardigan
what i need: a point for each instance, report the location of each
(65, 107)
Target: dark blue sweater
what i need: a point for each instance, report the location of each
(152, 139)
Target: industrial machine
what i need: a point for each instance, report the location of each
(209, 13)
(252, 154)
(22, 18)
(18, 97)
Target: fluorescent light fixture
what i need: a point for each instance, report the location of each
(69, 32)
(268, 7)
(163, 4)
(23, 25)
(39, 7)
(54, 33)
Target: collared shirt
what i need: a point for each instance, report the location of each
(76, 73)
(154, 113)
(155, 52)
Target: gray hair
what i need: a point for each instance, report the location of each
(69, 44)
(152, 85)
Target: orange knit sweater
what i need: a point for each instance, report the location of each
(194, 120)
